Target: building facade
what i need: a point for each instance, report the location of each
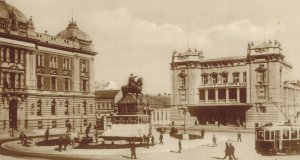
(252, 90)
(105, 107)
(46, 80)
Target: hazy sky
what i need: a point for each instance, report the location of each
(138, 36)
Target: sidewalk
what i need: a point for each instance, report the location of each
(215, 128)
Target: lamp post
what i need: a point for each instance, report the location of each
(185, 134)
(73, 118)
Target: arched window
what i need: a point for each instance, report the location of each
(39, 107)
(84, 107)
(53, 107)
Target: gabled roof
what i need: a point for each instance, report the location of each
(106, 94)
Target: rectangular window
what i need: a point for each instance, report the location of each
(53, 83)
(294, 134)
(222, 93)
(39, 80)
(236, 77)
(39, 60)
(202, 94)
(67, 122)
(267, 135)
(261, 92)
(214, 78)
(243, 95)
(53, 124)
(40, 124)
(204, 79)
(244, 76)
(232, 93)
(211, 94)
(67, 64)
(285, 134)
(84, 85)
(53, 62)
(67, 84)
(84, 64)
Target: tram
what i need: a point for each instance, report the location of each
(277, 139)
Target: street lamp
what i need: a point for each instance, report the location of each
(184, 110)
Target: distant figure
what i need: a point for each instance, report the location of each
(69, 126)
(133, 151)
(202, 133)
(47, 134)
(147, 141)
(60, 143)
(227, 152)
(231, 151)
(179, 146)
(161, 137)
(152, 140)
(96, 136)
(87, 131)
(21, 137)
(239, 137)
(214, 141)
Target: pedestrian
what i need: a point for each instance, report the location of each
(202, 133)
(96, 136)
(239, 137)
(227, 152)
(152, 140)
(231, 150)
(47, 134)
(133, 151)
(87, 131)
(161, 137)
(179, 145)
(214, 141)
(60, 143)
(21, 137)
(147, 141)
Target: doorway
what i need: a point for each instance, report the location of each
(13, 113)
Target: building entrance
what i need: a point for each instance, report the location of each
(224, 115)
(13, 113)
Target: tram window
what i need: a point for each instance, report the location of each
(272, 135)
(267, 135)
(285, 134)
(260, 135)
(294, 134)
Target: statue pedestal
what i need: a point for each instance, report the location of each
(131, 121)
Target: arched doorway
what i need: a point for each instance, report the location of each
(13, 113)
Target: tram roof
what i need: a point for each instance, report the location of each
(279, 126)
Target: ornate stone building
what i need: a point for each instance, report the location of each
(251, 90)
(45, 80)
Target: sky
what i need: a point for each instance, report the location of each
(139, 36)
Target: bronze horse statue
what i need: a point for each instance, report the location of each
(135, 89)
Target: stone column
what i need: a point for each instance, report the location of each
(227, 95)
(238, 95)
(206, 96)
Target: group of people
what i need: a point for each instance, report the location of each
(146, 140)
(229, 151)
(24, 139)
(64, 142)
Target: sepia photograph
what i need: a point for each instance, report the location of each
(149, 79)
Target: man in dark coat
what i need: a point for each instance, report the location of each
(161, 137)
(231, 150)
(133, 151)
(227, 152)
(152, 140)
(239, 137)
(22, 136)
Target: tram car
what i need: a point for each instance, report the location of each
(277, 139)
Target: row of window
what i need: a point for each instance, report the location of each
(12, 55)
(54, 84)
(104, 105)
(160, 116)
(12, 80)
(211, 94)
(270, 135)
(66, 106)
(53, 63)
(222, 78)
(54, 124)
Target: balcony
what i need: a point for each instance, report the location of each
(13, 90)
(223, 85)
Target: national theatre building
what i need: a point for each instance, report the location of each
(45, 80)
(252, 90)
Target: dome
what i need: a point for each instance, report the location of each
(72, 32)
(7, 11)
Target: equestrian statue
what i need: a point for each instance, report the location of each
(134, 87)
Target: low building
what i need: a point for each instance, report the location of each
(161, 110)
(105, 107)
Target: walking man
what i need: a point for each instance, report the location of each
(231, 149)
(214, 141)
(132, 149)
(152, 140)
(227, 152)
(179, 146)
(239, 137)
(161, 137)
